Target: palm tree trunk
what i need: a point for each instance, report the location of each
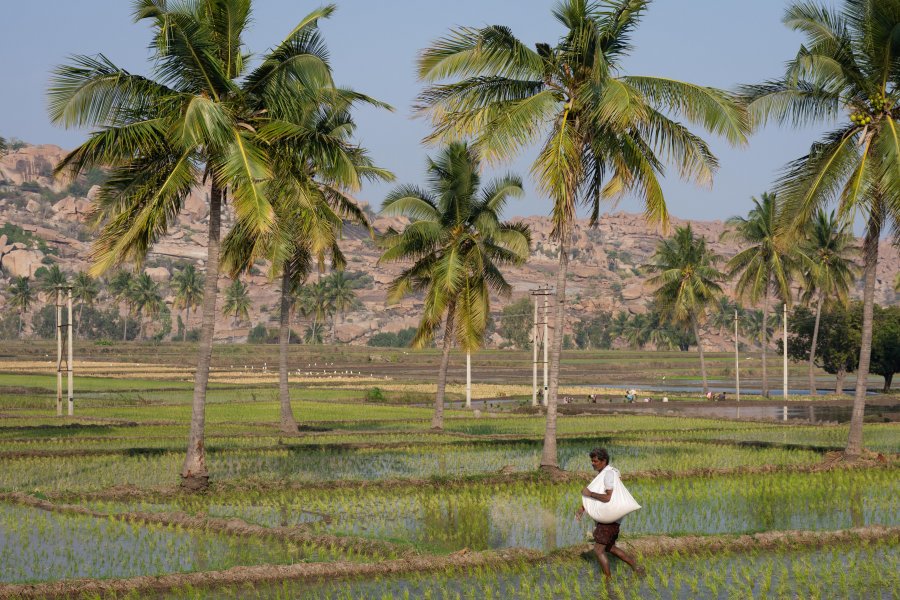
(765, 341)
(288, 423)
(812, 348)
(78, 326)
(194, 475)
(187, 319)
(887, 383)
(141, 328)
(548, 455)
(437, 421)
(125, 327)
(870, 254)
(700, 350)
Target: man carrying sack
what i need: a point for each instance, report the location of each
(607, 501)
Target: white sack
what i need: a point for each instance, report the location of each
(620, 503)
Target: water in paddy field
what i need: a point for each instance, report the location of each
(806, 411)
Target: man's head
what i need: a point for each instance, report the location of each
(599, 458)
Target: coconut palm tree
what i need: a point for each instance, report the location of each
(762, 267)
(604, 134)
(21, 295)
(4, 148)
(828, 270)
(687, 283)
(51, 280)
(120, 288)
(848, 66)
(188, 287)
(237, 303)
(342, 297)
(457, 244)
(146, 299)
(85, 290)
(203, 118)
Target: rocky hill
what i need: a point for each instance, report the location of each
(604, 274)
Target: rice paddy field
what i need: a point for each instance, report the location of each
(368, 502)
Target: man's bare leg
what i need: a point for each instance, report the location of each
(600, 551)
(627, 558)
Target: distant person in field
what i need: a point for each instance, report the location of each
(606, 534)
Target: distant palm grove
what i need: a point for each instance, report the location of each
(271, 137)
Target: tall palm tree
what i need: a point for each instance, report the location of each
(457, 244)
(762, 267)
(687, 283)
(188, 287)
(120, 289)
(828, 271)
(237, 303)
(605, 134)
(204, 118)
(342, 297)
(848, 65)
(85, 290)
(21, 295)
(146, 299)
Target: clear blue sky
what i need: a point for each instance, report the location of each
(373, 44)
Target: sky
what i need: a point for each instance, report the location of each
(373, 46)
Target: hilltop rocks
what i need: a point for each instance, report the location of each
(158, 274)
(71, 207)
(20, 262)
(33, 163)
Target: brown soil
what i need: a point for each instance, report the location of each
(647, 546)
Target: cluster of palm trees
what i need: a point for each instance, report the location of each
(274, 142)
(821, 261)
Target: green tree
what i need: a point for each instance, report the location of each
(827, 269)
(203, 118)
(4, 148)
(457, 244)
(237, 303)
(85, 290)
(763, 266)
(849, 64)
(314, 302)
(120, 288)
(595, 332)
(188, 287)
(50, 280)
(21, 296)
(604, 134)
(145, 299)
(516, 322)
(837, 351)
(886, 344)
(687, 283)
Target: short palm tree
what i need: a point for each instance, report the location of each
(828, 270)
(120, 288)
(687, 283)
(457, 244)
(315, 303)
(762, 267)
(85, 290)
(604, 134)
(50, 281)
(204, 118)
(342, 297)
(146, 299)
(188, 287)
(237, 303)
(848, 66)
(21, 295)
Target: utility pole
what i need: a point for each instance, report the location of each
(59, 353)
(543, 340)
(69, 366)
(737, 359)
(546, 345)
(784, 340)
(534, 343)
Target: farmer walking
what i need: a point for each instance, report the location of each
(606, 534)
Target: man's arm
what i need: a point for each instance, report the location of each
(604, 497)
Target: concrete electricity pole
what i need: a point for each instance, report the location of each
(737, 359)
(784, 340)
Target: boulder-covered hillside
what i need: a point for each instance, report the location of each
(50, 219)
